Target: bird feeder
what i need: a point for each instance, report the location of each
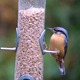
(29, 59)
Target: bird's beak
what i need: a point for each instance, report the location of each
(51, 29)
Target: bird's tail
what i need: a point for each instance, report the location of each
(62, 69)
(61, 66)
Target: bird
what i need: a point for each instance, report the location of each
(59, 42)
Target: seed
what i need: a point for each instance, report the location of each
(30, 25)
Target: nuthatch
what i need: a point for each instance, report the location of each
(59, 42)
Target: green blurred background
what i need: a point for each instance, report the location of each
(65, 13)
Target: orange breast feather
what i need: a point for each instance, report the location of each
(57, 43)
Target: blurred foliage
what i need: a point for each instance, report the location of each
(65, 13)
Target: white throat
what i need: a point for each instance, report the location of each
(59, 33)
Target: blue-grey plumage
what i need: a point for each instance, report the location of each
(59, 41)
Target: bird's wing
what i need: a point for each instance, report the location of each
(66, 46)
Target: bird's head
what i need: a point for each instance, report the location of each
(59, 29)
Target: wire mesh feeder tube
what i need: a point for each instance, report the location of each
(29, 59)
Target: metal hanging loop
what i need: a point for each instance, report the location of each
(42, 46)
(13, 48)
